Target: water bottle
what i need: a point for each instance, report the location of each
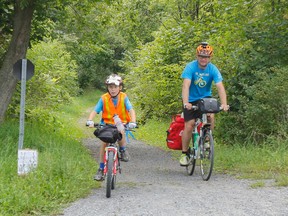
(118, 123)
(196, 138)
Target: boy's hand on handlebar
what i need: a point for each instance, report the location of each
(90, 123)
(132, 125)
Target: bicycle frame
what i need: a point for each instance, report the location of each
(198, 132)
(196, 137)
(111, 147)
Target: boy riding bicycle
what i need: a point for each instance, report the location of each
(198, 76)
(111, 103)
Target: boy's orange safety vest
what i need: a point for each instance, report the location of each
(109, 109)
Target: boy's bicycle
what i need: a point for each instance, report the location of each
(110, 135)
(202, 144)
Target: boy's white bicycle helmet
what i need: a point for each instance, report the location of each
(114, 79)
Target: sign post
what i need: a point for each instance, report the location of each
(22, 103)
(23, 69)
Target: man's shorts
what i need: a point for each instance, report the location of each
(191, 114)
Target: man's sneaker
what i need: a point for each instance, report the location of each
(183, 160)
(124, 155)
(99, 175)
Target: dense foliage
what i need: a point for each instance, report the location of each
(149, 42)
(253, 62)
(54, 82)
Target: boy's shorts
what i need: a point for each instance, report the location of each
(191, 114)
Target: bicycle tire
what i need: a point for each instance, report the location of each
(114, 176)
(109, 174)
(113, 182)
(192, 162)
(206, 156)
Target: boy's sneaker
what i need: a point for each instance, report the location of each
(124, 155)
(99, 175)
(184, 160)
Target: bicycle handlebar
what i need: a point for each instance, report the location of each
(99, 125)
(195, 107)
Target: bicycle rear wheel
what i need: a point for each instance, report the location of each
(192, 162)
(109, 175)
(206, 155)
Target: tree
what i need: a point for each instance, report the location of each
(17, 49)
(30, 22)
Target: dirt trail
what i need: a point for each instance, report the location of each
(152, 183)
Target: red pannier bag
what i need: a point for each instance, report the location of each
(174, 133)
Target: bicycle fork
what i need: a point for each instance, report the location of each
(115, 159)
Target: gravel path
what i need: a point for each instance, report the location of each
(152, 183)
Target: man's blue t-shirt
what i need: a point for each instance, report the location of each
(201, 80)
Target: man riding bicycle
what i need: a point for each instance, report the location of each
(198, 76)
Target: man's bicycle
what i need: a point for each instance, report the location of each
(202, 145)
(110, 135)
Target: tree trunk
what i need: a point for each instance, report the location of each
(17, 50)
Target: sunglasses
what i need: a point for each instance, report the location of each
(203, 56)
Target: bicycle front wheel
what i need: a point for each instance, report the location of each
(113, 182)
(192, 162)
(109, 175)
(206, 155)
(114, 176)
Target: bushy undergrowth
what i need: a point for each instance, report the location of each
(65, 167)
(260, 110)
(63, 173)
(53, 84)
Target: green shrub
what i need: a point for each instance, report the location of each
(262, 110)
(54, 82)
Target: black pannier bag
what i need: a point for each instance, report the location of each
(108, 134)
(209, 105)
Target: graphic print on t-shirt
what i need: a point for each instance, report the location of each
(199, 80)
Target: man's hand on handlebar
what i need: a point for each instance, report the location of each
(224, 107)
(188, 106)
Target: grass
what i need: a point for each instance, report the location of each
(258, 184)
(65, 168)
(269, 161)
(254, 162)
